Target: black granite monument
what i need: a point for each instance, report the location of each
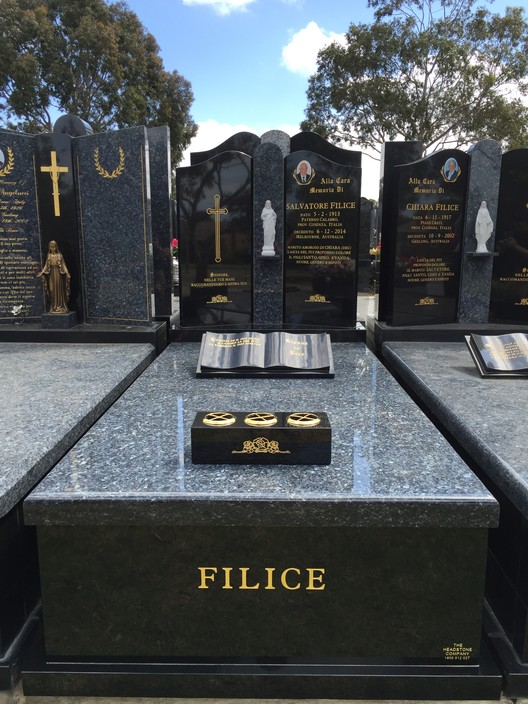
(215, 241)
(21, 294)
(322, 200)
(509, 290)
(426, 262)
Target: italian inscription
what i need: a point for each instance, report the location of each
(322, 220)
(431, 211)
(20, 291)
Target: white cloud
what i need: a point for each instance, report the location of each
(222, 7)
(300, 54)
(212, 133)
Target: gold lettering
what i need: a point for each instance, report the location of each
(227, 572)
(244, 584)
(312, 578)
(285, 583)
(205, 576)
(270, 571)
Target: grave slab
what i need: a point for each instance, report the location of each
(50, 395)
(484, 420)
(364, 577)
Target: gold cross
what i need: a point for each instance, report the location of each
(54, 171)
(217, 211)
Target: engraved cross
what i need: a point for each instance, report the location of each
(217, 211)
(54, 170)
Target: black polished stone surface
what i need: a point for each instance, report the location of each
(115, 226)
(321, 242)
(509, 288)
(245, 142)
(21, 293)
(58, 215)
(313, 142)
(278, 443)
(215, 221)
(392, 154)
(427, 257)
(161, 218)
(397, 522)
(72, 125)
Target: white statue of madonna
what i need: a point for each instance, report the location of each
(269, 218)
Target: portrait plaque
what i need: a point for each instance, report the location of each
(322, 201)
(215, 241)
(431, 204)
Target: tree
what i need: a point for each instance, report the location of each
(444, 72)
(90, 58)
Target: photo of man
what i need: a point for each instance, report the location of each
(303, 173)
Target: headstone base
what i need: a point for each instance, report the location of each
(190, 678)
(59, 321)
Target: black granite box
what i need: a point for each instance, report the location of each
(245, 437)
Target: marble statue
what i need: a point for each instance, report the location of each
(483, 228)
(269, 219)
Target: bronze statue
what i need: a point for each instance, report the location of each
(56, 278)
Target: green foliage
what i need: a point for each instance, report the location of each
(90, 58)
(445, 72)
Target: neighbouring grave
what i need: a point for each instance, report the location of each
(509, 289)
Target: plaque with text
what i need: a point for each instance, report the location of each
(215, 220)
(500, 355)
(265, 354)
(21, 294)
(431, 205)
(322, 201)
(509, 286)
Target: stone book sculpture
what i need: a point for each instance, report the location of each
(265, 354)
(500, 355)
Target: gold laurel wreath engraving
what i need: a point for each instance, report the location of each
(117, 171)
(10, 163)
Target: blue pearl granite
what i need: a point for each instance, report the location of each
(487, 416)
(50, 394)
(390, 466)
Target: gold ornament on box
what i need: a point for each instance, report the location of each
(260, 419)
(219, 418)
(303, 420)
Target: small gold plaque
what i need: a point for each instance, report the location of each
(260, 419)
(303, 420)
(219, 418)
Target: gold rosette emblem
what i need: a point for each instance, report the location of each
(110, 174)
(262, 445)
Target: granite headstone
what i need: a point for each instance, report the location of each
(215, 218)
(21, 294)
(477, 266)
(161, 218)
(509, 290)
(322, 200)
(427, 258)
(115, 226)
(392, 154)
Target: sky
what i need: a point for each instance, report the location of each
(249, 61)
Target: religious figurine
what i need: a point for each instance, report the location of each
(483, 228)
(56, 278)
(269, 218)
